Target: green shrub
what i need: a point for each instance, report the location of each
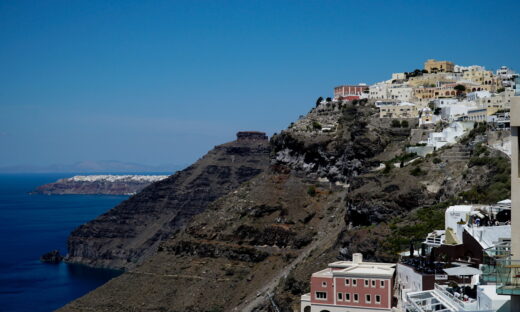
(311, 191)
(396, 123)
(404, 124)
(436, 160)
(415, 226)
(499, 186)
(316, 125)
(388, 167)
(417, 171)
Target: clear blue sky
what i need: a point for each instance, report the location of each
(163, 81)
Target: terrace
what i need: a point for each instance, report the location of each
(442, 299)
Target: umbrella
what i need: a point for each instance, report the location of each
(462, 271)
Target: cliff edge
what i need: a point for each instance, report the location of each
(130, 232)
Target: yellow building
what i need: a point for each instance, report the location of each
(423, 93)
(485, 78)
(433, 66)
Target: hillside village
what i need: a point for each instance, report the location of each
(470, 264)
(443, 100)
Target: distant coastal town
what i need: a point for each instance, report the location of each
(472, 263)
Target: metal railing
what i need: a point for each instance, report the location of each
(508, 276)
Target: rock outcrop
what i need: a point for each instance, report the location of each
(51, 257)
(130, 232)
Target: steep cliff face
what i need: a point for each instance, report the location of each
(130, 232)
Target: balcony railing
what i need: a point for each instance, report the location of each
(499, 252)
(508, 276)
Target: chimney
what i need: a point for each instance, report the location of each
(357, 258)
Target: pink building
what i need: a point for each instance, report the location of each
(349, 92)
(351, 286)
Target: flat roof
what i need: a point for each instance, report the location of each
(349, 268)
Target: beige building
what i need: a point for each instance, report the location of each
(401, 110)
(434, 66)
(499, 101)
(431, 79)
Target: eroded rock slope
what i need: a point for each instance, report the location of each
(130, 232)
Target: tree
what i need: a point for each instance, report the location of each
(318, 101)
(500, 90)
(404, 124)
(460, 88)
(396, 123)
(328, 99)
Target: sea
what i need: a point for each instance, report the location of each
(31, 225)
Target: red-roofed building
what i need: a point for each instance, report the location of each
(350, 93)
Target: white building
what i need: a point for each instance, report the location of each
(449, 135)
(473, 96)
(488, 300)
(402, 93)
(378, 91)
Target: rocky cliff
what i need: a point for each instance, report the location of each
(99, 184)
(322, 198)
(130, 232)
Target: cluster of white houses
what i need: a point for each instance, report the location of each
(440, 91)
(473, 264)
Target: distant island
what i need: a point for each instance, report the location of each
(93, 167)
(99, 184)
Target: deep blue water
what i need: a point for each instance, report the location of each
(31, 225)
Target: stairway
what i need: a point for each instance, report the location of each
(456, 153)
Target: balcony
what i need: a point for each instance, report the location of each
(500, 252)
(508, 276)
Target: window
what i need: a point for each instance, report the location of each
(383, 283)
(354, 282)
(321, 295)
(356, 297)
(378, 299)
(340, 296)
(366, 283)
(324, 284)
(347, 282)
(373, 283)
(367, 298)
(347, 296)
